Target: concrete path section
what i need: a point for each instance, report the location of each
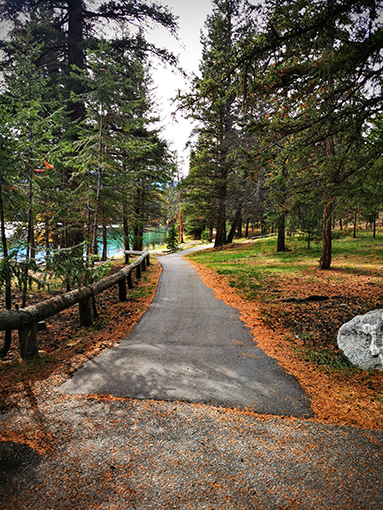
(190, 346)
(128, 454)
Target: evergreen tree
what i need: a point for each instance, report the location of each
(172, 238)
(32, 120)
(214, 102)
(65, 31)
(321, 76)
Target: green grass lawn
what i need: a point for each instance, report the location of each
(256, 269)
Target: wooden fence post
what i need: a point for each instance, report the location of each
(122, 290)
(85, 310)
(130, 280)
(138, 271)
(28, 341)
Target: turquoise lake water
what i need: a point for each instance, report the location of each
(116, 243)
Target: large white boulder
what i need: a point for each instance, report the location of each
(361, 340)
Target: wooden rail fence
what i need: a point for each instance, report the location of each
(26, 319)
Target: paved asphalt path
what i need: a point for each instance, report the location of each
(76, 451)
(190, 346)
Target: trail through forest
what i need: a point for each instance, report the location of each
(66, 450)
(191, 346)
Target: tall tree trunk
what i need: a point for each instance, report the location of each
(220, 237)
(125, 227)
(98, 191)
(236, 222)
(30, 229)
(138, 228)
(88, 231)
(104, 243)
(247, 229)
(325, 260)
(355, 221)
(29, 252)
(230, 236)
(281, 221)
(138, 238)
(329, 206)
(281, 239)
(180, 220)
(8, 289)
(33, 243)
(76, 56)
(374, 227)
(239, 226)
(47, 232)
(77, 110)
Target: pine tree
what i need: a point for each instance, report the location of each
(321, 63)
(172, 239)
(65, 30)
(214, 102)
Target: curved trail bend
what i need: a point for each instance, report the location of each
(190, 346)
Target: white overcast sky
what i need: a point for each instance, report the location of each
(192, 15)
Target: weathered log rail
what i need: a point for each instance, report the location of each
(263, 236)
(26, 319)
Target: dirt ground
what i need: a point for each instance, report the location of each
(339, 396)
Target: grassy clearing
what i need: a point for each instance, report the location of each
(325, 359)
(257, 270)
(302, 335)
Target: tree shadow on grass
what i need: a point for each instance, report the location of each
(356, 271)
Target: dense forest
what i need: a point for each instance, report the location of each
(288, 112)
(287, 115)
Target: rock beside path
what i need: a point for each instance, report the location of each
(361, 340)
